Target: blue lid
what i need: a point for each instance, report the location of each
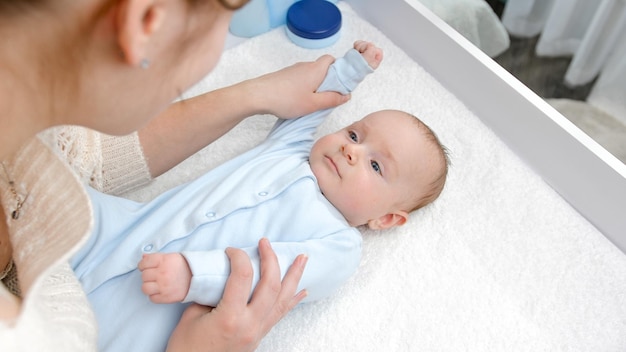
(314, 19)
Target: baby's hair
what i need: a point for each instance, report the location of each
(435, 187)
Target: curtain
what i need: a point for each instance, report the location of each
(593, 32)
(475, 20)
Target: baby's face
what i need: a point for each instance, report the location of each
(370, 168)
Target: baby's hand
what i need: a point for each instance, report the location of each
(370, 52)
(166, 277)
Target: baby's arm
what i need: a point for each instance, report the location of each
(166, 277)
(343, 76)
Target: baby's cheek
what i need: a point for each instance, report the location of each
(362, 197)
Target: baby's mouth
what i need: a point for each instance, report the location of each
(333, 165)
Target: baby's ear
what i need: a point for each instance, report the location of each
(388, 220)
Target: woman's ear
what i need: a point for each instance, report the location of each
(136, 22)
(388, 220)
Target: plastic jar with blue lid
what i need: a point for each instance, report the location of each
(313, 24)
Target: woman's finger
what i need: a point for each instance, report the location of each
(239, 283)
(268, 289)
(287, 298)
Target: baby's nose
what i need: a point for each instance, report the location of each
(349, 152)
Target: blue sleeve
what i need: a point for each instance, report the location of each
(343, 76)
(338, 253)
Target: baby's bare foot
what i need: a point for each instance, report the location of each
(371, 53)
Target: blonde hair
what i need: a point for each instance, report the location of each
(435, 187)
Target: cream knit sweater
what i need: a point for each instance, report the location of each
(49, 173)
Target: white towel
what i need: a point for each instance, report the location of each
(498, 263)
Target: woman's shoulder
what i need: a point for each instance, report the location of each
(54, 220)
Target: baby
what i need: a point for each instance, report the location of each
(305, 197)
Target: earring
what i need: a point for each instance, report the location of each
(144, 64)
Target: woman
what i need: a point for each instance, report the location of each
(112, 66)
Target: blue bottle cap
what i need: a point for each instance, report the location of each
(314, 19)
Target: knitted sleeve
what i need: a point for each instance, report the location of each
(110, 164)
(124, 167)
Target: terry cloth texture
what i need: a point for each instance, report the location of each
(499, 263)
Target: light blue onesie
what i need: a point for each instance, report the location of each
(268, 191)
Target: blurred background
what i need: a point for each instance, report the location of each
(572, 53)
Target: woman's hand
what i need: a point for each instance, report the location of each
(291, 92)
(236, 324)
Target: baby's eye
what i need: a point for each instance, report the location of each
(375, 166)
(353, 136)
